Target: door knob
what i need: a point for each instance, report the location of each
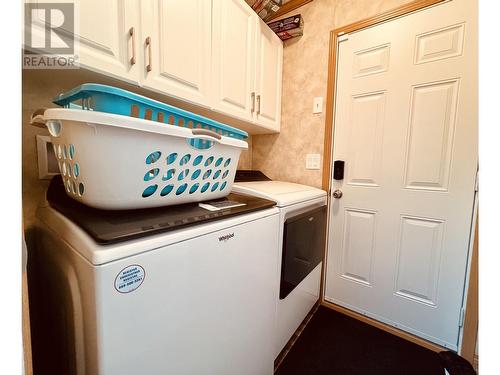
(337, 194)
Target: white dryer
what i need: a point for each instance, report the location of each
(302, 234)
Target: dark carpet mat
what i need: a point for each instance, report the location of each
(335, 344)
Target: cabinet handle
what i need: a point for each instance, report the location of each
(252, 95)
(132, 36)
(258, 104)
(149, 67)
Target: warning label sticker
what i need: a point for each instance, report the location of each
(129, 279)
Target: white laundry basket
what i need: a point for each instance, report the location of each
(116, 162)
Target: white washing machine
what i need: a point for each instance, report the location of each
(302, 234)
(174, 290)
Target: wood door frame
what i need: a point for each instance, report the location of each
(471, 320)
(470, 329)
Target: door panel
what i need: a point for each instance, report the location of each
(419, 253)
(431, 128)
(180, 35)
(406, 126)
(358, 244)
(371, 61)
(365, 139)
(439, 44)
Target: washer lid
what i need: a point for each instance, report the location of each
(107, 227)
(283, 193)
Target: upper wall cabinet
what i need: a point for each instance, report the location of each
(247, 60)
(233, 58)
(209, 55)
(176, 38)
(268, 77)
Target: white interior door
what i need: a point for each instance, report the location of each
(406, 127)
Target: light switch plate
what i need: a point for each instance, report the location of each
(312, 161)
(318, 104)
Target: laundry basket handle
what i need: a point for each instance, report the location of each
(37, 118)
(206, 132)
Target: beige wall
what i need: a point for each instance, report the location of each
(38, 89)
(305, 62)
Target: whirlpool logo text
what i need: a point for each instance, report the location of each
(226, 237)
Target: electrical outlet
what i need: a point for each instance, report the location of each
(47, 161)
(312, 161)
(318, 104)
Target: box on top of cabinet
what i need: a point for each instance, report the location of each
(268, 8)
(289, 27)
(265, 9)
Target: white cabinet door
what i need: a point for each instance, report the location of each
(104, 36)
(107, 36)
(233, 58)
(268, 77)
(177, 60)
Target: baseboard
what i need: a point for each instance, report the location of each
(279, 359)
(397, 332)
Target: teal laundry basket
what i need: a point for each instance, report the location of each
(109, 99)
